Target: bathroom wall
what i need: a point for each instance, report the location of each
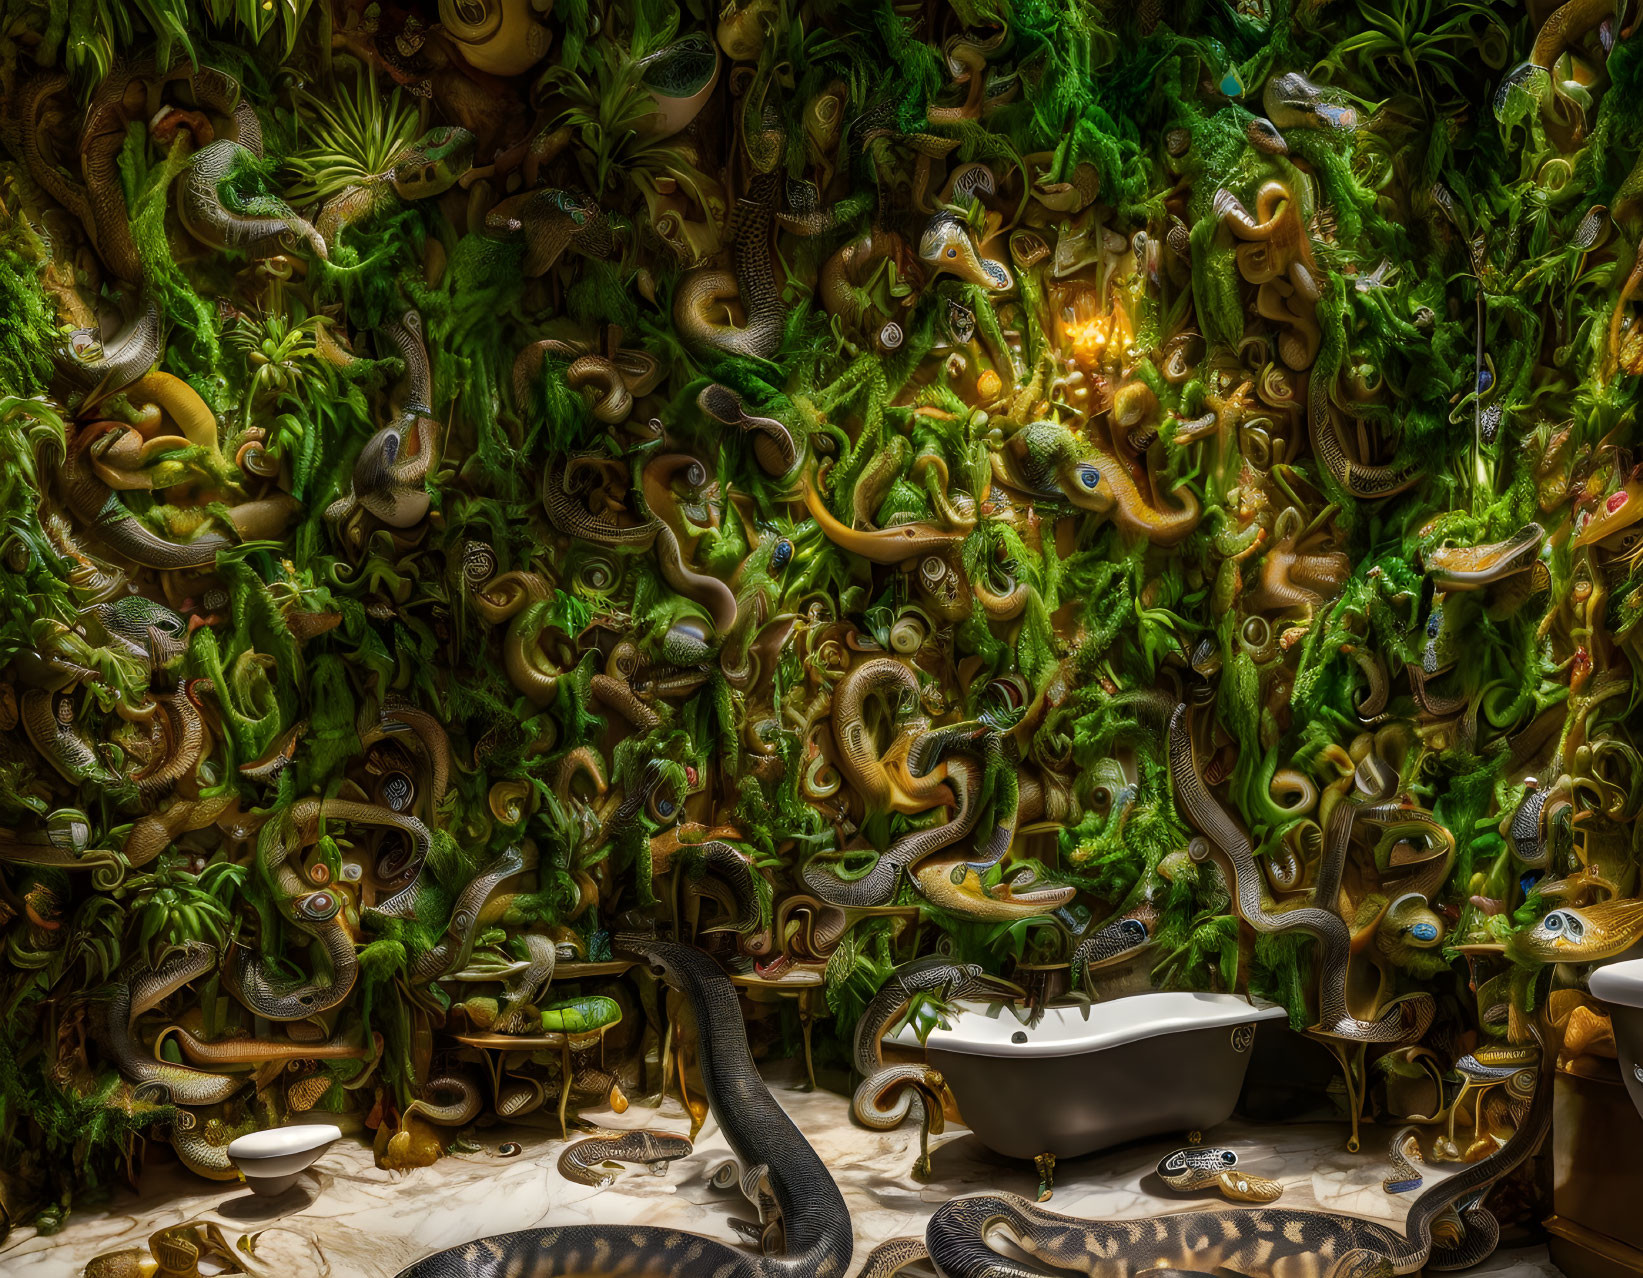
(1124, 494)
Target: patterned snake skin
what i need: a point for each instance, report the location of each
(1401, 1022)
(1262, 1242)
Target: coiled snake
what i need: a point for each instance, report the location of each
(1402, 1021)
(813, 1212)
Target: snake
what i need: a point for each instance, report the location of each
(843, 277)
(1196, 1166)
(1119, 940)
(749, 890)
(97, 204)
(947, 245)
(48, 719)
(344, 1045)
(935, 977)
(714, 596)
(1261, 1242)
(142, 991)
(1291, 101)
(773, 444)
(62, 844)
(387, 479)
(1045, 460)
(1403, 1021)
(1470, 567)
(114, 523)
(1403, 1152)
(654, 1149)
(754, 1184)
(428, 167)
(526, 985)
(1360, 479)
(1526, 829)
(1200, 1167)
(878, 886)
(814, 1215)
(1583, 934)
(145, 630)
(704, 289)
(550, 221)
(899, 544)
(576, 520)
(317, 911)
(118, 362)
(266, 231)
(453, 950)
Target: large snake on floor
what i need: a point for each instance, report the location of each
(1403, 1021)
(1261, 1242)
(814, 1216)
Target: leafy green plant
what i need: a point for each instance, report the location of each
(607, 107)
(346, 138)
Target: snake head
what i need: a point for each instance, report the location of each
(433, 163)
(1559, 930)
(947, 246)
(1087, 489)
(984, 986)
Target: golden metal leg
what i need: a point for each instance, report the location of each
(1046, 1176)
(564, 1089)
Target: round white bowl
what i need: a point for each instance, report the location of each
(272, 1160)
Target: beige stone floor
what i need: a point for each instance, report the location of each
(350, 1220)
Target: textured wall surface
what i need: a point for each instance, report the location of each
(1088, 488)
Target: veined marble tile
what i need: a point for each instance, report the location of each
(351, 1220)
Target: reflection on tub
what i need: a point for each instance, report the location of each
(1085, 1079)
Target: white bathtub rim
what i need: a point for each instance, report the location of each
(1065, 1031)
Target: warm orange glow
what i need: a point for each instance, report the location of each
(1089, 330)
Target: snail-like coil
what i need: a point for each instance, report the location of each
(396, 791)
(255, 459)
(317, 907)
(479, 563)
(908, 633)
(509, 801)
(596, 574)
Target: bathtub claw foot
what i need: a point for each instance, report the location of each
(1046, 1176)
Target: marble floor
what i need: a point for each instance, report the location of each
(350, 1220)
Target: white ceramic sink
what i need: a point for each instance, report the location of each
(1620, 985)
(272, 1160)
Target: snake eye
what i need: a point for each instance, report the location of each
(1228, 1157)
(1089, 477)
(1553, 922)
(952, 252)
(782, 555)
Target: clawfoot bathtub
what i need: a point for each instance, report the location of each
(1087, 1079)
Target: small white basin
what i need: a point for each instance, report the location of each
(1619, 983)
(272, 1160)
